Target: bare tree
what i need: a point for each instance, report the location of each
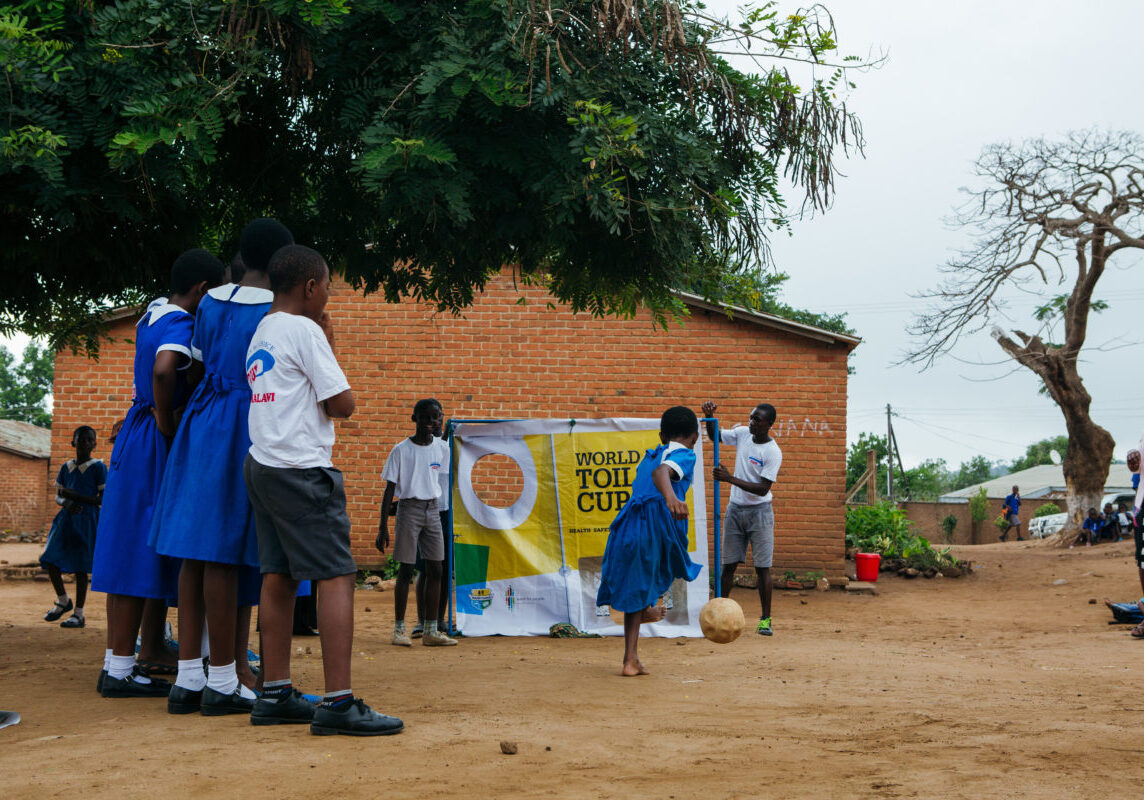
(1050, 214)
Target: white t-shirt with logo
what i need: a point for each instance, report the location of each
(416, 468)
(291, 370)
(754, 462)
(443, 478)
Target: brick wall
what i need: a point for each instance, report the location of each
(25, 496)
(502, 360)
(927, 517)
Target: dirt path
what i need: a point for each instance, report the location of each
(1000, 685)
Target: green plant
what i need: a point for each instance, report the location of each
(948, 525)
(812, 576)
(979, 506)
(884, 529)
(789, 575)
(1002, 523)
(1046, 509)
(389, 571)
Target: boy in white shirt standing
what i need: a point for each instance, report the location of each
(412, 472)
(298, 498)
(750, 517)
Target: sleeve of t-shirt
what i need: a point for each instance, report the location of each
(177, 336)
(681, 461)
(60, 475)
(392, 469)
(320, 364)
(771, 463)
(732, 436)
(100, 476)
(197, 334)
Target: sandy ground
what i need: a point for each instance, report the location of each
(998, 685)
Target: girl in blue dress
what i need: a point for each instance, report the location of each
(647, 542)
(79, 488)
(206, 519)
(126, 567)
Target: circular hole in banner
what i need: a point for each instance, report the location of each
(497, 480)
(470, 450)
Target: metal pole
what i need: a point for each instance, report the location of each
(449, 533)
(889, 457)
(718, 566)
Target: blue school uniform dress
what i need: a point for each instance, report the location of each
(125, 563)
(647, 549)
(206, 513)
(71, 541)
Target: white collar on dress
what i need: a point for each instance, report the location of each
(72, 466)
(673, 446)
(156, 311)
(246, 295)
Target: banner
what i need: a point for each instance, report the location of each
(523, 568)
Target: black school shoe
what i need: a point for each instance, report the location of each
(217, 704)
(184, 701)
(99, 683)
(294, 709)
(58, 610)
(131, 687)
(356, 719)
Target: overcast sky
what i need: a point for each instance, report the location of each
(960, 76)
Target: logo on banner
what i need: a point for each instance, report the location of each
(481, 598)
(510, 598)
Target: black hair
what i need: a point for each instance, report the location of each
(425, 404)
(677, 422)
(192, 268)
(237, 268)
(260, 240)
(293, 265)
(79, 430)
(769, 411)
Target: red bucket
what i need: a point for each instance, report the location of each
(866, 566)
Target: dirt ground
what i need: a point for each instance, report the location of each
(997, 685)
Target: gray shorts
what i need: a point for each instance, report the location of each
(418, 529)
(754, 524)
(300, 516)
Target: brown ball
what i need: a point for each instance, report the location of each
(722, 620)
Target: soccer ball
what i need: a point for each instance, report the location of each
(722, 620)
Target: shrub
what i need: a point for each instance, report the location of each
(949, 525)
(1047, 509)
(979, 506)
(883, 528)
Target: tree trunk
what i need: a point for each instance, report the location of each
(1086, 467)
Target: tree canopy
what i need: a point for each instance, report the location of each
(25, 386)
(606, 150)
(1040, 453)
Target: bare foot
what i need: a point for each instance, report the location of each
(633, 669)
(653, 614)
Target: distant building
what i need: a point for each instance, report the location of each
(25, 452)
(1044, 482)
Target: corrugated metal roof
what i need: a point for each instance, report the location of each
(1037, 482)
(22, 438)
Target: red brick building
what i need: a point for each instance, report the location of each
(502, 359)
(26, 482)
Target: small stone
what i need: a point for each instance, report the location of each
(548, 749)
(368, 609)
(508, 748)
(387, 586)
(822, 584)
(298, 650)
(308, 651)
(1059, 582)
(911, 573)
(803, 602)
(372, 580)
(1092, 601)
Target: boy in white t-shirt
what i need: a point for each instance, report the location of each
(412, 472)
(298, 498)
(750, 517)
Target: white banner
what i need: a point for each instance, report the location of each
(537, 562)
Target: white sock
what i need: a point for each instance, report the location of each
(78, 612)
(205, 645)
(223, 679)
(62, 599)
(430, 627)
(120, 667)
(107, 659)
(191, 676)
(245, 693)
